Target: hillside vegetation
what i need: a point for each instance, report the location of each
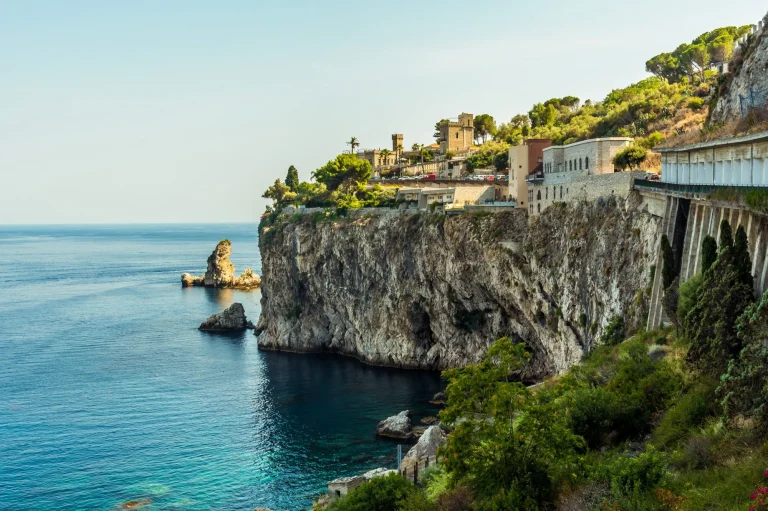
(674, 419)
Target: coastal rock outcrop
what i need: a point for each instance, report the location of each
(432, 291)
(232, 319)
(397, 426)
(221, 272)
(428, 444)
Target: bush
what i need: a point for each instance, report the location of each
(614, 332)
(379, 494)
(631, 475)
(696, 104)
(690, 411)
(593, 414)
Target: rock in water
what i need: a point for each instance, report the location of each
(188, 280)
(432, 439)
(439, 399)
(232, 319)
(397, 426)
(220, 272)
(247, 279)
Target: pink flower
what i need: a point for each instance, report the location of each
(766, 473)
(751, 508)
(753, 496)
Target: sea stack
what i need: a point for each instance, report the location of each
(232, 319)
(221, 272)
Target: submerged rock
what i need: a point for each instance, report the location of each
(397, 426)
(439, 398)
(136, 504)
(221, 272)
(232, 319)
(429, 420)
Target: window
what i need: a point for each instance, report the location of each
(579, 163)
(538, 207)
(538, 195)
(457, 135)
(570, 165)
(586, 162)
(546, 193)
(561, 192)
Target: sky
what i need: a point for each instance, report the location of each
(170, 111)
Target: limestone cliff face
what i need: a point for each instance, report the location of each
(753, 74)
(429, 291)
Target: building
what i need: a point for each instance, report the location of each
(523, 159)
(450, 198)
(737, 161)
(458, 136)
(379, 159)
(570, 172)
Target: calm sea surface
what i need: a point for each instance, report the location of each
(108, 392)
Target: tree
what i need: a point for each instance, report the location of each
(630, 157)
(543, 115)
(353, 144)
(279, 193)
(697, 58)
(292, 179)
(503, 443)
(670, 302)
(384, 156)
(485, 126)
(741, 258)
(438, 126)
(726, 237)
(668, 269)
(724, 294)
(345, 170)
(708, 253)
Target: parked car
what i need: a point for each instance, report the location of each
(430, 177)
(490, 178)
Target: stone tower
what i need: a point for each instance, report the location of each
(397, 140)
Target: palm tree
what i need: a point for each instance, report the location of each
(353, 143)
(384, 155)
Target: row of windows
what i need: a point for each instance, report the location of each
(546, 193)
(570, 165)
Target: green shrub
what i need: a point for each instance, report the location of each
(689, 411)
(614, 332)
(696, 104)
(379, 494)
(631, 475)
(593, 414)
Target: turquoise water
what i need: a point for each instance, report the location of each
(108, 393)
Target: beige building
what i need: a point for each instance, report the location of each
(568, 172)
(523, 159)
(458, 136)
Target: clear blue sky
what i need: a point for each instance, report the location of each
(184, 111)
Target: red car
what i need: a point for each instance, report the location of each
(430, 177)
(490, 178)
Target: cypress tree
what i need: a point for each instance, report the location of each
(708, 253)
(741, 260)
(668, 270)
(726, 237)
(292, 179)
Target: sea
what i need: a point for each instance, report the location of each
(110, 395)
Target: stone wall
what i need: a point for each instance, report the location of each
(583, 188)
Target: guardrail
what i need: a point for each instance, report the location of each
(689, 189)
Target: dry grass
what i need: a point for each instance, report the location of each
(755, 122)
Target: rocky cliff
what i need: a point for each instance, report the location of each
(750, 80)
(430, 291)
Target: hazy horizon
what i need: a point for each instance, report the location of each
(182, 112)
